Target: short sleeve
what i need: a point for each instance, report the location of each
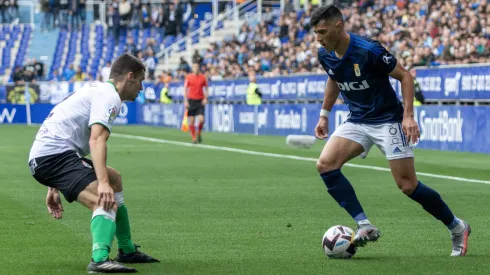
(104, 108)
(384, 61)
(321, 60)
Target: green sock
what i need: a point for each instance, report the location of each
(103, 229)
(123, 230)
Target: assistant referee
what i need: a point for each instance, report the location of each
(195, 98)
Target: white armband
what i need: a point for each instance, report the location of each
(324, 113)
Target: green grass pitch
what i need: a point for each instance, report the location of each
(203, 211)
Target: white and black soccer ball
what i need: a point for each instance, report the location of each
(337, 244)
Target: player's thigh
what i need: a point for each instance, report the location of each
(346, 143)
(115, 179)
(403, 171)
(89, 196)
(67, 172)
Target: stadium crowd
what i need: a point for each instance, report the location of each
(418, 32)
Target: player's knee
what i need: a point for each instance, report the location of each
(406, 185)
(115, 179)
(116, 182)
(326, 165)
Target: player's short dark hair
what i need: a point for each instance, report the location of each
(124, 64)
(325, 13)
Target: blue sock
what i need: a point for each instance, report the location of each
(341, 190)
(432, 202)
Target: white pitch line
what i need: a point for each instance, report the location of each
(248, 152)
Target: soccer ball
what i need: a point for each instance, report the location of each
(337, 244)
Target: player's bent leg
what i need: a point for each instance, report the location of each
(103, 229)
(127, 251)
(335, 154)
(403, 171)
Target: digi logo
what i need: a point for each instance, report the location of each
(353, 86)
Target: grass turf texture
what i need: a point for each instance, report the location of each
(204, 211)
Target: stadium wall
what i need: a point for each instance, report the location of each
(453, 128)
(292, 108)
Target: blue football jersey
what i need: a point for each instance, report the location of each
(362, 77)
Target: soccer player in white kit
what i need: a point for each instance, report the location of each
(78, 126)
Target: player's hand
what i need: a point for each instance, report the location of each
(204, 101)
(411, 129)
(321, 129)
(53, 203)
(186, 104)
(106, 196)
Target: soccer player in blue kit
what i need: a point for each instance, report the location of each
(359, 68)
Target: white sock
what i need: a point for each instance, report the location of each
(363, 222)
(459, 227)
(101, 212)
(119, 197)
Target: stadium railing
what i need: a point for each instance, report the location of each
(249, 8)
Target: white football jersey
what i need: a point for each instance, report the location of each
(67, 127)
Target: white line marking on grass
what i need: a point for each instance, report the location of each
(248, 152)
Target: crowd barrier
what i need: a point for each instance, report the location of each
(454, 128)
(455, 83)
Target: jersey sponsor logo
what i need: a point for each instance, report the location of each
(387, 58)
(357, 70)
(111, 114)
(353, 86)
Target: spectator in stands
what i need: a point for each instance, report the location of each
(184, 66)
(80, 75)
(69, 73)
(55, 76)
(124, 9)
(74, 12)
(105, 72)
(114, 22)
(150, 64)
(63, 13)
(46, 9)
(38, 69)
(145, 15)
(197, 58)
(159, 21)
(131, 47)
(173, 19)
(18, 77)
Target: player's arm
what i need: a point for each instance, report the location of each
(98, 149)
(386, 63)
(103, 110)
(408, 88)
(409, 125)
(331, 94)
